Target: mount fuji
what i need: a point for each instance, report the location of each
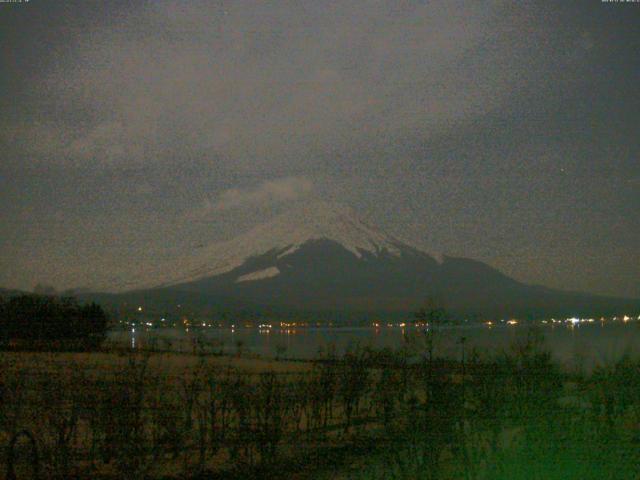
(324, 258)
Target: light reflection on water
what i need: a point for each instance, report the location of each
(582, 345)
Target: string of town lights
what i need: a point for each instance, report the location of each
(291, 327)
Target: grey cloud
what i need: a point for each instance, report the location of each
(257, 84)
(271, 191)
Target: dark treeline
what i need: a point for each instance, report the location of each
(44, 321)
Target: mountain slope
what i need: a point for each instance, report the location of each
(286, 233)
(324, 258)
(323, 275)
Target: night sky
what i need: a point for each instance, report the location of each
(507, 132)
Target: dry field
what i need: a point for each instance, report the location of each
(172, 415)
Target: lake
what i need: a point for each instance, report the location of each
(583, 345)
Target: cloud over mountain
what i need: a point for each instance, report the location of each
(270, 191)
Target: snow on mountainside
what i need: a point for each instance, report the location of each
(259, 274)
(324, 258)
(286, 232)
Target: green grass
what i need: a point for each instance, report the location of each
(572, 448)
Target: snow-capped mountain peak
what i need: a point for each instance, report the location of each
(322, 221)
(323, 258)
(286, 233)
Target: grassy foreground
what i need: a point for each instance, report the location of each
(364, 415)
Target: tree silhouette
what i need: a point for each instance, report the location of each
(431, 316)
(31, 319)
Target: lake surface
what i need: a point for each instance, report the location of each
(583, 345)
